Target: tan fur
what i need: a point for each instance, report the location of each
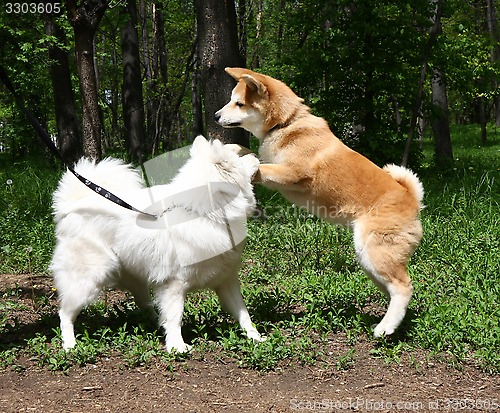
(312, 168)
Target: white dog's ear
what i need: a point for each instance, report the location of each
(254, 85)
(217, 144)
(200, 145)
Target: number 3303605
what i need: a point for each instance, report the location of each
(32, 8)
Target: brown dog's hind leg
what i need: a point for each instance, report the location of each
(384, 258)
(400, 295)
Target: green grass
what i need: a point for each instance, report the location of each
(26, 227)
(300, 280)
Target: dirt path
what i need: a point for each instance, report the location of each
(209, 386)
(218, 385)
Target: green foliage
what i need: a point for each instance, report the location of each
(357, 64)
(356, 79)
(24, 57)
(464, 52)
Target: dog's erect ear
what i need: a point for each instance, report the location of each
(236, 72)
(254, 85)
(217, 148)
(240, 73)
(200, 144)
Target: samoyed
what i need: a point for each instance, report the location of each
(195, 242)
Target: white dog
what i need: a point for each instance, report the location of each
(196, 241)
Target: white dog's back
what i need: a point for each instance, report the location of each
(112, 174)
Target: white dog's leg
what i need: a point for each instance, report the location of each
(230, 297)
(80, 268)
(170, 298)
(67, 329)
(73, 298)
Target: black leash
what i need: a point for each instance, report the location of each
(44, 136)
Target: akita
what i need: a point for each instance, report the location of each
(312, 168)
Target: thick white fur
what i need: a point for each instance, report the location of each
(196, 243)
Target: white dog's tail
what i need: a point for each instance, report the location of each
(408, 179)
(112, 174)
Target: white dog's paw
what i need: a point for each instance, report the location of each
(69, 343)
(255, 336)
(382, 330)
(178, 348)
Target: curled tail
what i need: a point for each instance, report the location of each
(110, 173)
(408, 179)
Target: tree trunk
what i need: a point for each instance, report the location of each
(85, 20)
(133, 107)
(114, 96)
(151, 100)
(258, 33)
(196, 102)
(435, 30)
(69, 140)
(218, 42)
(242, 29)
(491, 19)
(440, 118)
(165, 113)
(483, 120)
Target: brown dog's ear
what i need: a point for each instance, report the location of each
(236, 72)
(254, 85)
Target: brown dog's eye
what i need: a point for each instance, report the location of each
(240, 104)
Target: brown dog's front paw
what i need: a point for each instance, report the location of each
(238, 149)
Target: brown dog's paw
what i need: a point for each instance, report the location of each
(238, 149)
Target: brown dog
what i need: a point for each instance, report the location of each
(313, 169)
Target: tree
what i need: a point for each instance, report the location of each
(439, 118)
(69, 140)
(357, 63)
(491, 21)
(439, 110)
(439, 89)
(133, 106)
(218, 48)
(85, 17)
(196, 101)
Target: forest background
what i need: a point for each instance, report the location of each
(137, 78)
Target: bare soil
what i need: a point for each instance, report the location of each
(217, 384)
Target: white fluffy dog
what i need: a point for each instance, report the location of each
(196, 241)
